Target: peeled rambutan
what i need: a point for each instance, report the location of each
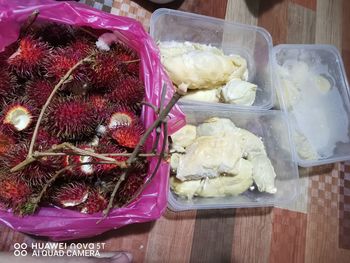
(121, 116)
(129, 187)
(96, 202)
(129, 91)
(38, 91)
(79, 168)
(71, 119)
(71, 194)
(19, 115)
(14, 191)
(128, 136)
(7, 84)
(107, 147)
(26, 61)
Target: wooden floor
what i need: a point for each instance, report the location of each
(314, 229)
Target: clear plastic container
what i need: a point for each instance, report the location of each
(272, 127)
(314, 93)
(251, 42)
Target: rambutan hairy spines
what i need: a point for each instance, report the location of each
(14, 191)
(71, 119)
(45, 140)
(6, 142)
(26, 61)
(7, 84)
(71, 194)
(105, 71)
(100, 105)
(129, 91)
(57, 35)
(129, 187)
(109, 148)
(35, 173)
(81, 48)
(128, 136)
(60, 62)
(96, 202)
(38, 91)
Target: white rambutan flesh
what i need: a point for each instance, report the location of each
(19, 117)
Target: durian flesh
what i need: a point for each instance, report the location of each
(222, 160)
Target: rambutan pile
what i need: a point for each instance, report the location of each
(95, 110)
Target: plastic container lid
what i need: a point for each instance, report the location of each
(272, 127)
(251, 42)
(314, 93)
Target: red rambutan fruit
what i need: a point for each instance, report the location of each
(14, 191)
(35, 173)
(105, 71)
(45, 140)
(130, 186)
(129, 91)
(81, 48)
(101, 106)
(78, 168)
(130, 64)
(121, 116)
(57, 35)
(6, 142)
(129, 58)
(107, 147)
(71, 194)
(61, 61)
(128, 136)
(71, 119)
(96, 202)
(26, 61)
(19, 115)
(38, 91)
(7, 84)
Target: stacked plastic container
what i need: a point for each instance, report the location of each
(275, 127)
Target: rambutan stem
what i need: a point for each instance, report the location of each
(45, 154)
(88, 153)
(162, 116)
(131, 61)
(161, 157)
(59, 84)
(158, 129)
(30, 21)
(148, 104)
(36, 200)
(65, 146)
(160, 119)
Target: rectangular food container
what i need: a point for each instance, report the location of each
(251, 42)
(318, 112)
(272, 127)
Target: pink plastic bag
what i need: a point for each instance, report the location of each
(63, 224)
